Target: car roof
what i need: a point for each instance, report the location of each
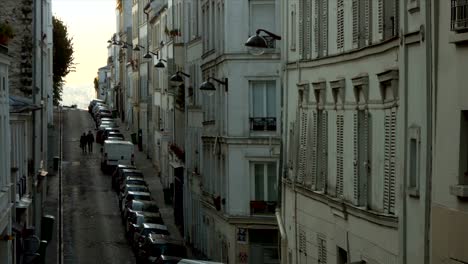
(135, 185)
(188, 261)
(147, 214)
(154, 226)
(133, 177)
(125, 167)
(145, 202)
(155, 238)
(132, 170)
(138, 193)
(118, 142)
(114, 132)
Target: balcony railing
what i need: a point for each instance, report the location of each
(262, 207)
(459, 15)
(263, 123)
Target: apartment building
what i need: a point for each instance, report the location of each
(356, 131)
(449, 206)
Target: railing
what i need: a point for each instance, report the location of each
(263, 123)
(262, 207)
(459, 15)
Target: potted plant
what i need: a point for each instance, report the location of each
(6, 32)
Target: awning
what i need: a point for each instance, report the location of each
(20, 104)
(175, 164)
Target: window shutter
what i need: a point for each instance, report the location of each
(339, 155)
(301, 29)
(316, 16)
(308, 29)
(340, 25)
(312, 152)
(324, 27)
(302, 147)
(380, 10)
(367, 30)
(302, 241)
(322, 249)
(292, 149)
(356, 158)
(389, 165)
(363, 169)
(355, 7)
(323, 153)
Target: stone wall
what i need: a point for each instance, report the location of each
(19, 14)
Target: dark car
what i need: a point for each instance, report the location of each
(154, 246)
(145, 230)
(100, 133)
(118, 174)
(93, 103)
(103, 113)
(135, 222)
(120, 177)
(133, 196)
(138, 206)
(132, 188)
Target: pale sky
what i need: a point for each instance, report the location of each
(91, 23)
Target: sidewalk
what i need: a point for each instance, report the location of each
(146, 166)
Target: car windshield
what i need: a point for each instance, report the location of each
(158, 231)
(135, 182)
(141, 197)
(150, 208)
(149, 219)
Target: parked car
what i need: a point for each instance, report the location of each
(133, 196)
(119, 175)
(112, 134)
(138, 206)
(164, 259)
(135, 222)
(93, 103)
(103, 113)
(100, 133)
(154, 246)
(103, 119)
(145, 230)
(116, 152)
(132, 188)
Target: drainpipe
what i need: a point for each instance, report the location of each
(430, 84)
(404, 50)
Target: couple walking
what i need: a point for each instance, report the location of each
(87, 140)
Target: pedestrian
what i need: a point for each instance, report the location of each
(90, 137)
(83, 141)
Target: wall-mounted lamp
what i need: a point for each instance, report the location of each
(137, 47)
(257, 44)
(176, 79)
(208, 87)
(148, 55)
(160, 63)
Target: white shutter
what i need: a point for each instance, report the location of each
(324, 27)
(301, 28)
(355, 9)
(311, 171)
(302, 147)
(339, 155)
(367, 28)
(323, 153)
(302, 244)
(316, 20)
(356, 158)
(292, 149)
(389, 162)
(308, 28)
(363, 169)
(322, 249)
(340, 25)
(380, 10)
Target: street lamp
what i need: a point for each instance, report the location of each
(148, 55)
(137, 47)
(208, 87)
(257, 44)
(176, 79)
(160, 63)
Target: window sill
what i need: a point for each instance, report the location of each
(342, 208)
(459, 190)
(458, 38)
(413, 192)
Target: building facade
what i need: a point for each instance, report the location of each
(356, 122)
(449, 206)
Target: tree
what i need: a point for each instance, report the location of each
(63, 57)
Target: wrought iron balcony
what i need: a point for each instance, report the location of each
(262, 207)
(263, 123)
(459, 15)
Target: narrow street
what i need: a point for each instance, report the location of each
(92, 228)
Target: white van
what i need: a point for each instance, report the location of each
(116, 152)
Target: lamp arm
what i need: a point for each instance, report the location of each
(268, 33)
(219, 81)
(184, 74)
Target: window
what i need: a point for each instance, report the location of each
(264, 182)
(342, 256)
(463, 171)
(322, 150)
(388, 18)
(292, 41)
(389, 161)
(263, 106)
(305, 29)
(339, 154)
(361, 181)
(340, 25)
(414, 156)
(362, 13)
(459, 15)
(321, 248)
(321, 28)
(263, 15)
(302, 244)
